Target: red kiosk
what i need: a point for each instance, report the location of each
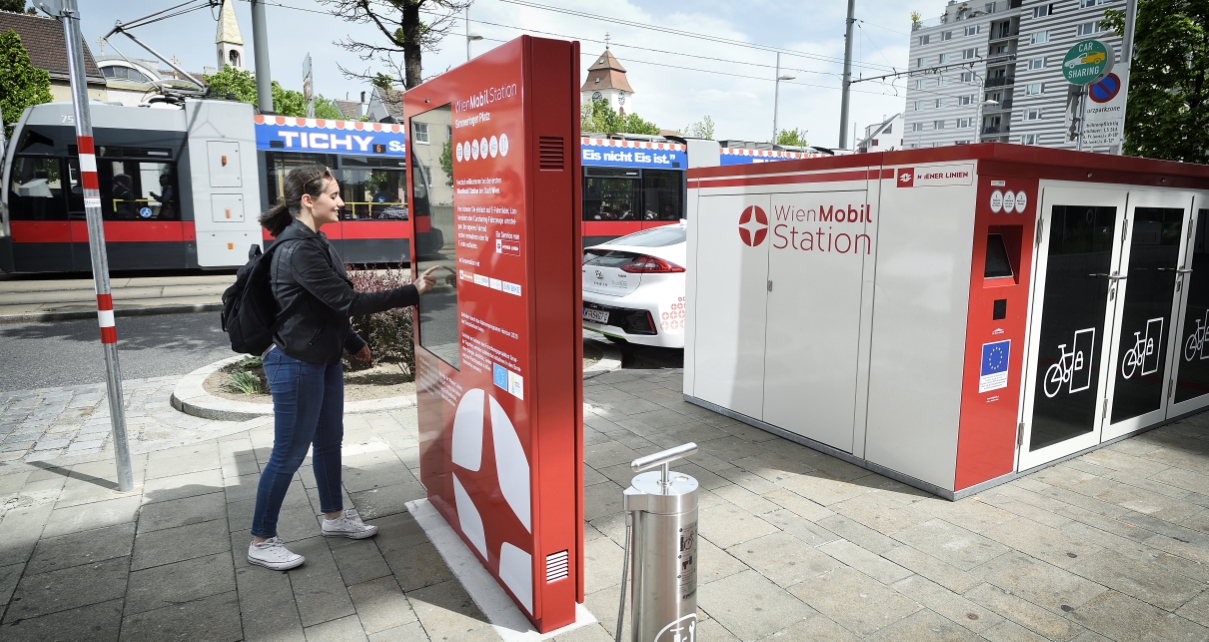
(494, 178)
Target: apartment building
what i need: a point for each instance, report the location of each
(992, 71)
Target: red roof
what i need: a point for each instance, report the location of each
(43, 39)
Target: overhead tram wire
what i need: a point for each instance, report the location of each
(647, 62)
(160, 15)
(687, 34)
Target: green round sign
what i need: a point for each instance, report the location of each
(1087, 61)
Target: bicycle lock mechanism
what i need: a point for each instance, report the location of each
(661, 548)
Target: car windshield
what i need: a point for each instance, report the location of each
(654, 237)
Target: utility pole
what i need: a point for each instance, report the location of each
(68, 14)
(847, 74)
(1131, 17)
(260, 47)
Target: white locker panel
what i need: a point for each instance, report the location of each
(818, 244)
(920, 305)
(227, 208)
(729, 300)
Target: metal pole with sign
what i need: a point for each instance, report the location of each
(1086, 63)
(308, 86)
(68, 13)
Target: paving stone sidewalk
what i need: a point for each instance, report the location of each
(795, 545)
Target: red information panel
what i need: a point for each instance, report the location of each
(495, 200)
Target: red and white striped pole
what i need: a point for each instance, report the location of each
(69, 15)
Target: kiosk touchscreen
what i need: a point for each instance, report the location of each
(495, 204)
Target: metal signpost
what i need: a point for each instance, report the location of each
(1086, 62)
(308, 86)
(68, 13)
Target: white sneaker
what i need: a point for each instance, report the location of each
(273, 554)
(348, 525)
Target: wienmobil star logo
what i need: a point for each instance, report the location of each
(753, 226)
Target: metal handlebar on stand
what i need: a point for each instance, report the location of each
(662, 508)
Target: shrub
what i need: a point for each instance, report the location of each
(388, 333)
(244, 381)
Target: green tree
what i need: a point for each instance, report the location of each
(286, 102)
(1167, 115)
(16, 6)
(447, 161)
(599, 117)
(21, 84)
(791, 137)
(703, 128)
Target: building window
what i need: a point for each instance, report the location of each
(965, 100)
(972, 52)
(990, 7)
(919, 105)
(921, 83)
(1036, 63)
(948, 35)
(972, 31)
(938, 124)
(1089, 28)
(961, 142)
(1043, 11)
(967, 76)
(889, 129)
(944, 57)
(919, 62)
(1028, 139)
(917, 127)
(1084, 4)
(1033, 114)
(1040, 37)
(421, 132)
(942, 81)
(1033, 89)
(940, 103)
(923, 40)
(962, 123)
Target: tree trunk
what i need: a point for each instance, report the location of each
(414, 70)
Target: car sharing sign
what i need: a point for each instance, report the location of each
(1086, 62)
(311, 135)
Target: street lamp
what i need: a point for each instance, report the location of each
(776, 96)
(470, 37)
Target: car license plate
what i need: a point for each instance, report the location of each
(599, 316)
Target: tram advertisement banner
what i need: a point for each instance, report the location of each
(288, 134)
(480, 333)
(632, 154)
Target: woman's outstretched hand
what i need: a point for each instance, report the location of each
(426, 280)
(363, 354)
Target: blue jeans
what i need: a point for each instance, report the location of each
(308, 408)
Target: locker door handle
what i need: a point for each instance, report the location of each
(1111, 277)
(1183, 271)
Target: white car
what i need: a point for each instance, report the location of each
(633, 287)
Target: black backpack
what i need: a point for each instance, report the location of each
(249, 310)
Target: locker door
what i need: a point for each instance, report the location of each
(1188, 386)
(814, 313)
(732, 242)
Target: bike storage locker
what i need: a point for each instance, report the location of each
(950, 317)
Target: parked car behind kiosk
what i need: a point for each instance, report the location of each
(633, 287)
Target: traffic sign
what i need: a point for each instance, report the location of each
(1106, 89)
(1086, 62)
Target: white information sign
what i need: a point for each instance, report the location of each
(1104, 123)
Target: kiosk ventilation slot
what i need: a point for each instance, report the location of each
(550, 153)
(556, 566)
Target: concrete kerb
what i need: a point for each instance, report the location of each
(191, 398)
(76, 315)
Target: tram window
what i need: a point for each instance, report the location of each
(435, 239)
(75, 195)
(138, 190)
(280, 164)
(611, 197)
(36, 190)
(372, 194)
(663, 195)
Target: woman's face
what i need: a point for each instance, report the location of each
(326, 208)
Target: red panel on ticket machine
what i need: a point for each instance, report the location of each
(493, 177)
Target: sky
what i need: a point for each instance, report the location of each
(684, 60)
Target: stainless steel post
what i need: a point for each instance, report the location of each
(260, 48)
(1082, 114)
(70, 18)
(663, 557)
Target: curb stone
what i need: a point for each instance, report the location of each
(608, 363)
(43, 317)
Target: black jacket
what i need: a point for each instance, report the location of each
(308, 275)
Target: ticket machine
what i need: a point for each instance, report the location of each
(950, 317)
(494, 177)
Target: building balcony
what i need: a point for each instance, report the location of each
(1000, 82)
(996, 129)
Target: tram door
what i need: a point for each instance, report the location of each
(1100, 346)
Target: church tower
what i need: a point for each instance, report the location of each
(607, 81)
(229, 42)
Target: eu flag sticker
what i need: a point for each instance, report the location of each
(499, 374)
(993, 372)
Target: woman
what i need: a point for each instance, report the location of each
(303, 365)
